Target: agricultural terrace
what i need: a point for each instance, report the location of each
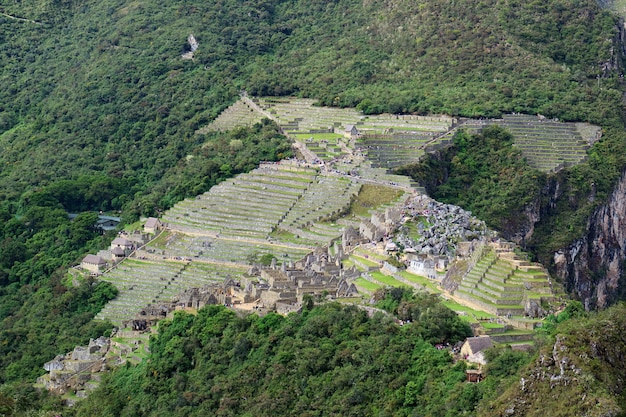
(549, 145)
(390, 141)
(237, 115)
(283, 209)
(503, 284)
(143, 282)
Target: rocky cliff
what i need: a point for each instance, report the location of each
(592, 267)
(579, 373)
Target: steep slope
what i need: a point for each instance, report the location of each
(105, 81)
(601, 249)
(579, 373)
(98, 103)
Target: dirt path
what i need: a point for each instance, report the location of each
(20, 19)
(258, 108)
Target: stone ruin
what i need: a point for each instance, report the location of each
(440, 227)
(268, 288)
(318, 274)
(71, 372)
(381, 224)
(444, 232)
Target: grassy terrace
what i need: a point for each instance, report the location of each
(428, 284)
(394, 140)
(367, 262)
(386, 280)
(500, 282)
(470, 315)
(238, 114)
(248, 206)
(368, 286)
(373, 196)
(364, 253)
(316, 137)
(547, 144)
(230, 250)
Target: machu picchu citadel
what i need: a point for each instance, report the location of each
(287, 211)
(291, 231)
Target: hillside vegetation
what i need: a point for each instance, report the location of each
(105, 82)
(576, 373)
(98, 111)
(333, 360)
(100, 87)
(330, 360)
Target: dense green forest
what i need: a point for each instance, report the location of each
(485, 174)
(337, 360)
(99, 112)
(329, 360)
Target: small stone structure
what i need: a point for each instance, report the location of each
(93, 263)
(473, 348)
(152, 225)
(350, 132)
(122, 243)
(72, 370)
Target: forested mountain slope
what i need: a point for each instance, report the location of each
(98, 111)
(101, 86)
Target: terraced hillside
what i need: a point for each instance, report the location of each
(280, 210)
(142, 282)
(301, 116)
(251, 206)
(283, 210)
(238, 114)
(502, 284)
(397, 149)
(550, 145)
(325, 199)
(390, 141)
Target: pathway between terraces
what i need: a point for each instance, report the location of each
(258, 108)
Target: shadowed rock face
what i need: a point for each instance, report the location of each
(580, 373)
(592, 268)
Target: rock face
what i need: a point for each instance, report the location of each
(440, 227)
(580, 373)
(592, 268)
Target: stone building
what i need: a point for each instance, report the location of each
(152, 225)
(121, 242)
(93, 263)
(474, 347)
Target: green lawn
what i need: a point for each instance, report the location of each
(364, 261)
(367, 285)
(387, 280)
(372, 196)
(161, 240)
(489, 325)
(373, 255)
(138, 225)
(330, 137)
(453, 305)
(423, 281)
(288, 237)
